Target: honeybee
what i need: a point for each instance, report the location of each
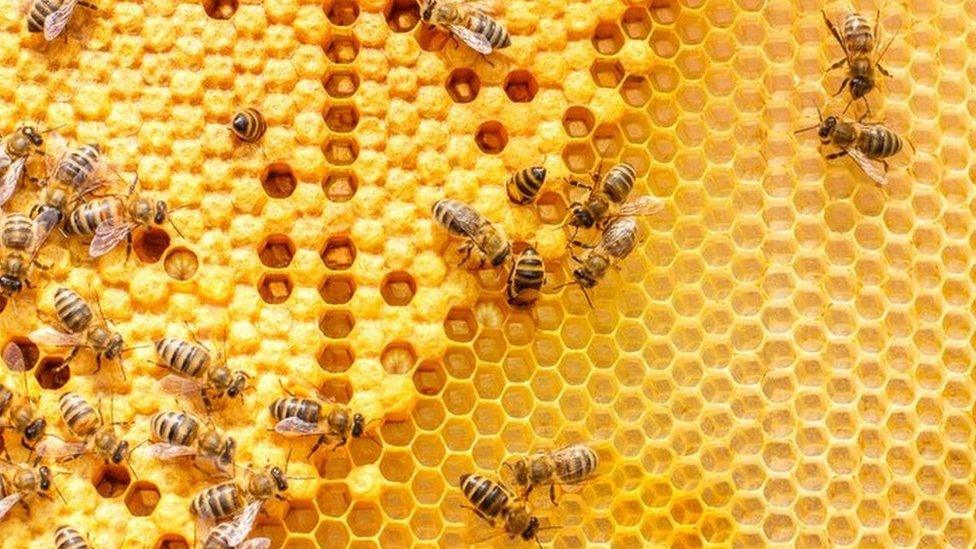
(464, 221)
(232, 534)
(299, 417)
(526, 279)
(18, 482)
(524, 185)
(66, 537)
(858, 43)
(15, 149)
(19, 237)
(86, 423)
(867, 144)
(230, 498)
(22, 414)
(193, 372)
(499, 507)
(618, 240)
(606, 199)
(177, 434)
(469, 20)
(249, 125)
(51, 16)
(569, 465)
(78, 328)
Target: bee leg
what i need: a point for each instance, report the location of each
(833, 31)
(128, 246)
(837, 154)
(485, 57)
(836, 65)
(88, 5)
(479, 513)
(842, 86)
(316, 446)
(26, 507)
(466, 249)
(552, 494)
(98, 363)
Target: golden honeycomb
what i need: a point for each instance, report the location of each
(785, 362)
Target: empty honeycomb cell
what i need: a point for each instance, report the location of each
(398, 288)
(181, 263)
(336, 324)
(460, 325)
(301, 517)
(341, 118)
(636, 91)
(340, 186)
(111, 480)
(28, 350)
(636, 22)
(339, 252)
(337, 289)
(276, 251)
(142, 498)
(608, 140)
(333, 466)
(552, 208)
(52, 373)
(342, 12)
(398, 357)
(278, 180)
(341, 84)
(491, 137)
(463, 85)
(340, 151)
(579, 157)
(431, 39)
(332, 533)
(521, 86)
(429, 378)
(171, 541)
(150, 243)
(489, 346)
(220, 9)
(607, 73)
(578, 121)
(402, 15)
(342, 49)
(365, 519)
(275, 288)
(607, 38)
(333, 499)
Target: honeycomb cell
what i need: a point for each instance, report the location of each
(460, 325)
(336, 358)
(276, 251)
(520, 86)
(52, 373)
(398, 357)
(607, 73)
(579, 157)
(338, 289)
(342, 13)
(111, 480)
(340, 186)
(398, 288)
(339, 253)
(302, 517)
(275, 288)
(171, 541)
(341, 118)
(333, 499)
(636, 91)
(278, 180)
(28, 350)
(578, 121)
(429, 378)
(491, 137)
(342, 49)
(150, 243)
(341, 84)
(337, 324)
(607, 38)
(181, 263)
(341, 151)
(402, 15)
(608, 140)
(636, 23)
(463, 85)
(220, 9)
(142, 498)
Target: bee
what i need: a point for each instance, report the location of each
(15, 149)
(232, 534)
(464, 221)
(526, 279)
(249, 125)
(524, 185)
(230, 498)
(193, 372)
(296, 416)
(618, 240)
(22, 482)
(78, 328)
(177, 434)
(570, 465)
(22, 414)
(858, 43)
(112, 220)
(498, 506)
(867, 144)
(19, 236)
(612, 191)
(86, 423)
(66, 537)
(469, 20)
(51, 16)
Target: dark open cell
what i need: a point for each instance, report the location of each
(171, 541)
(491, 137)
(606, 73)
(402, 15)
(150, 243)
(111, 480)
(608, 140)
(336, 358)
(463, 85)
(342, 49)
(340, 186)
(340, 84)
(460, 325)
(301, 517)
(341, 151)
(181, 263)
(429, 378)
(342, 12)
(276, 251)
(521, 86)
(142, 499)
(341, 118)
(337, 324)
(28, 353)
(398, 288)
(275, 288)
(278, 180)
(339, 252)
(338, 389)
(578, 121)
(636, 91)
(431, 38)
(607, 38)
(636, 22)
(337, 290)
(220, 9)
(52, 373)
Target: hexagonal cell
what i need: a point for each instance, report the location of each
(398, 288)
(340, 84)
(333, 499)
(149, 243)
(142, 499)
(431, 38)
(337, 388)
(275, 288)
(579, 157)
(337, 290)
(608, 140)
(111, 480)
(301, 517)
(342, 12)
(220, 9)
(336, 358)
(636, 23)
(607, 38)
(276, 251)
(636, 128)
(460, 325)
(402, 15)
(521, 86)
(491, 137)
(341, 151)
(607, 73)
(340, 186)
(181, 263)
(341, 118)
(27, 350)
(52, 373)
(342, 49)
(278, 180)
(578, 121)
(462, 84)
(337, 324)
(339, 252)
(398, 357)
(171, 541)
(429, 378)
(636, 91)
(365, 519)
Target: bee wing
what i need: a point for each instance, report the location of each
(256, 543)
(297, 427)
(44, 224)
(874, 169)
(10, 179)
(164, 451)
(57, 449)
(477, 42)
(641, 205)
(54, 338)
(55, 23)
(108, 235)
(5, 159)
(181, 386)
(487, 7)
(13, 357)
(7, 503)
(243, 523)
(56, 147)
(619, 237)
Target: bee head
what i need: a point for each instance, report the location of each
(583, 277)
(237, 386)
(579, 216)
(35, 429)
(120, 453)
(426, 11)
(358, 424)
(45, 474)
(228, 451)
(115, 345)
(31, 134)
(860, 86)
(160, 212)
(827, 127)
(239, 123)
(531, 530)
(10, 285)
(281, 483)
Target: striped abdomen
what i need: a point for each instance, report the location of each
(78, 414)
(174, 428)
(39, 11)
(87, 217)
(17, 232)
(457, 217)
(217, 502)
(72, 311)
(183, 357)
(66, 537)
(523, 185)
(249, 125)
(618, 182)
(305, 409)
(485, 495)
(492, 30)
(858, 34)
(575, 463)
(78, 165)
(219, 536)
(526, 279)
(878, 142)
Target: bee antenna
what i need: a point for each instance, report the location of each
(175, 227)
(815, 126)
(58, 490)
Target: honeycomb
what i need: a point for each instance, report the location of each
(785, 361)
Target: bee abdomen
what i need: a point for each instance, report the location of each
(182, 356)
(78, 165)
(66, 537)
(72, 310)
(528, 275)
(249, 125)
(448, 211)
(619, 181)
(78, 414)
(487, 496)
(496, 34)
(523, 185)
(175, 428)
(39, 11)
(879, 142)
(87, 217)
(17, 232)
(217, 502)
(577, 463)
(304, 409)
(219, 536)
(858, 34)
